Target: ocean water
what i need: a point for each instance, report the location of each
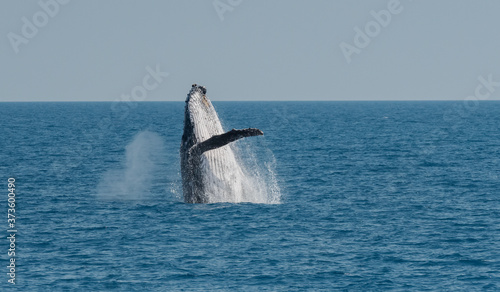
(368, 196)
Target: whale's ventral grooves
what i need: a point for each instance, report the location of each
(209, 169)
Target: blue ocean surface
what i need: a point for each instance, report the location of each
(368, 196)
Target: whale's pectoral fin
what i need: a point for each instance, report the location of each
(220, 140)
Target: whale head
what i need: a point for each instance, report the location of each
(197, 96)
(201, 114)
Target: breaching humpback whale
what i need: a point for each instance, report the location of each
(209, 170)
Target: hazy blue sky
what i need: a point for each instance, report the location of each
(98, 50)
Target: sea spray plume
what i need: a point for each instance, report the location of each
(135, 178)
(209, 169)
(259, 167)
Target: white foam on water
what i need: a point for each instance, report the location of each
(260, 183)
(240, 175)
(139, 169)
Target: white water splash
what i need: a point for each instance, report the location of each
(259, 181)
(135, 179)
(241, 175)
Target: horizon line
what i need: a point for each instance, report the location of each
(256, 100)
